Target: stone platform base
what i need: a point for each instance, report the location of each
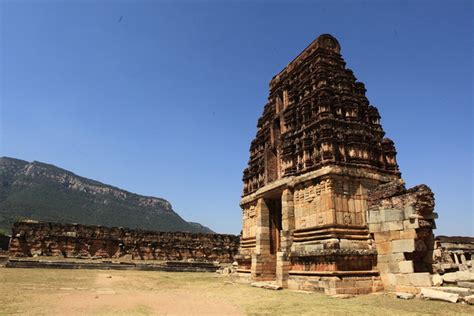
(331, 285)
(171, 266)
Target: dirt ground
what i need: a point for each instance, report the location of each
(97, 292)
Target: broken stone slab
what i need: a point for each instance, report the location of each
(405, 296)
(342, 296)
(437, 279)
(454, 277)
(439, 295)
(469, 299)
(466, 284)
(453, 289)
(266, 285)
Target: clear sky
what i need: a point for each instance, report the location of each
(162, 98)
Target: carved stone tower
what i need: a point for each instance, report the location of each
(318, 151)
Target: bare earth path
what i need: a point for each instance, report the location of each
(92, 292)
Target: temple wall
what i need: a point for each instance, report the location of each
(79, 241)
(402, 223)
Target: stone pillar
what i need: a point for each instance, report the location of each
(288, 226)
(456, 260)
(262, 248)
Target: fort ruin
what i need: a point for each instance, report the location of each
(324, 207)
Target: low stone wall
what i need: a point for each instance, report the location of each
(34, 239)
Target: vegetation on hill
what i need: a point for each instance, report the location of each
(45, 192)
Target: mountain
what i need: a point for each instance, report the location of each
(45, 192)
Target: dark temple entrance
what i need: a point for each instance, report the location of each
(274, 208)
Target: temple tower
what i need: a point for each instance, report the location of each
(318, 151)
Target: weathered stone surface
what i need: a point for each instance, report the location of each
(266, 285)
(454, 277)
(469, 299)
(466, 284)
(405, 296)
(437, 279)
(420, 279)
(454, 289)
(79, 241)
(439, 295)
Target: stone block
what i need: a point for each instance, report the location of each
(382, 237)
(439, 295)
(392, 257)
(383, 267)
(408, 210)
(394, 235)
(393, 266)
(374, 217)
(411, 223)
(406, 266)
(454, 277)
(389, 281)
(402, 280)
(420, 279)
(403, 245)
(375, 227)
(465, 284)
(407, 289)
(405, 296)
(437, 279)
(398, 225)
(469, 299)
(384, 248)
(454, 289)
(408, 234)
(392, 215)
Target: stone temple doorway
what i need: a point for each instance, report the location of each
(274, 214)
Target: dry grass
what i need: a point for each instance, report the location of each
(85, 292)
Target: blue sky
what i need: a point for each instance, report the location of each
(162, 98)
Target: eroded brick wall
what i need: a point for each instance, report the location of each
(85, 242)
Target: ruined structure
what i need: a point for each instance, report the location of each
(36, 239)
(453, 253)
(318, 152)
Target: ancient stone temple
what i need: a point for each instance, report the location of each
(318, 153)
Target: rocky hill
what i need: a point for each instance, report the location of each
(45, 192)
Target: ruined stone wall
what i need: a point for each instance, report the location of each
(402, 222)
(453, 253)
(84, 242)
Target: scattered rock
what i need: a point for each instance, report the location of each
(454, 277)
(469, 285)
(439, 295)
(405, 296)
(437, 279)
(109, 277)
(469, 299)
(266, 285)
